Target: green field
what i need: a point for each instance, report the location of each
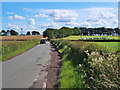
(11, 48)
(112, 46)
(77, 37)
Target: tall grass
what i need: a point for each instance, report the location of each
(11, 48)
(87, 65)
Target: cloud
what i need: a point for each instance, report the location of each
(40, 15)
(73, 23)
(31, 21)
(62, 15)
(16, 17)
(115, 21)
(101, 17)
(10, 17)
(30, 27)
(85, 24)
(15, 27)
(57, 15)
(107, 15)
(48, 25)
(97, 8)
(94, 16)
(9, 13)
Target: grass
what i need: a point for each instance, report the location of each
(68, 77)
(77, 37)
(112, 46)
(11, 48)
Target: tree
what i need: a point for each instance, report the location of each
(28, 33)
(13, 32)
(3, 33)
(35, 33)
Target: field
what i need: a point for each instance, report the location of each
(21, 37)
(77, 37)
(112, 46)
(11, 48)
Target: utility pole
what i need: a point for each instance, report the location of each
(21, 31)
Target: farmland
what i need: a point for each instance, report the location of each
(26, 37)
(112, 46)
(77, 37)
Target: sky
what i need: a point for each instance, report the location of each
(41, 15)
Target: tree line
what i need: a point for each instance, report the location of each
(13, 32)
(66, 31)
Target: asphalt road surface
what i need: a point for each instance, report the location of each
(25, 69)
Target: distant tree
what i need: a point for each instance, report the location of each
(28, 33)
(35, 33)
(3, 33)
(13, 32)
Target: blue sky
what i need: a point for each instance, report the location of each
(41, 15)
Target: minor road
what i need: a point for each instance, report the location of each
(23, 70)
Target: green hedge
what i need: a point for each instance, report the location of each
(87, 65)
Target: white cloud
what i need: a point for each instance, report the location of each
(18, 27)
(115, 21)
(101, 17)
(107, 14)
(17, 17)
(30, 27)
(40, 15)
(10, 17)
(95, 16)
(49, 25)
(9, 13)
(31, 21)
(9, 26)
(97, 8)
(85, 24)
(57, 15)
(62, 15)
(73, 23)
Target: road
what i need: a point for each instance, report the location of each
(25, 69)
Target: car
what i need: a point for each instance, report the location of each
(42, 41)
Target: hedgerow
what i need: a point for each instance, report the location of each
(93, 66)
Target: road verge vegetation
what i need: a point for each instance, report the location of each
(12, 48)
(87, 65)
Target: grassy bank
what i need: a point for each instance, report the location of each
(87, 65)
(11, 48)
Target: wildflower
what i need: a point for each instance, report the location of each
(80, 65)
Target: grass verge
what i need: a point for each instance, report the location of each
(12, 48)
